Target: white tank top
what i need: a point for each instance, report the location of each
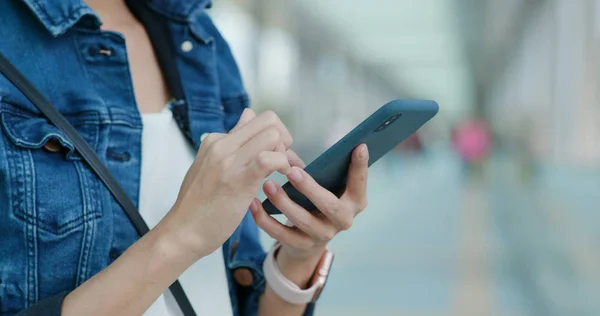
(166, 157)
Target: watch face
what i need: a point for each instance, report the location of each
(323, 273)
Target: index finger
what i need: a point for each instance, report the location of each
(242, 134)
(294, 159)
(247, 116)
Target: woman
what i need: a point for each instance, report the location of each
(68, 248)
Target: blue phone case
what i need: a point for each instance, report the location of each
(330, 169)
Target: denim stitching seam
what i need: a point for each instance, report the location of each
(88, 228)
(31, 211)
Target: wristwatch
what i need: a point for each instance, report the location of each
(288, 290)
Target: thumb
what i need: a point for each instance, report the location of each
(356, 184)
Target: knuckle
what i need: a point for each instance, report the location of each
(273, 136)
(264, 165)
(332, 207)
(288, 141)
(210, 138)
(362, 204)
(203, 146)
(346, 223)
(208, 141)
(271, 117)
(263, 161)
(217, 149)
(328, 236)
(226, 183)
(362, 177)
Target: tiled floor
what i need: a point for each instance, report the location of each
(432, 243)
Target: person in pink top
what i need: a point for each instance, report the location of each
(472, 140)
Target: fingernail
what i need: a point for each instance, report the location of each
(270, 188)
(294, 175)
(364, 153)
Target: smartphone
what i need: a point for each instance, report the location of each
(382, 131)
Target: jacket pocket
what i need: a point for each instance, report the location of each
(48, 183)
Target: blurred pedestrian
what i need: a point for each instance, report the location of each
(473, 142)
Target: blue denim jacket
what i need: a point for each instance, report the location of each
(59, 225)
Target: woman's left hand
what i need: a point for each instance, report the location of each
(311, 232)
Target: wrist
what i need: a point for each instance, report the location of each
(175, 244)
(296, 288)
(298, 268)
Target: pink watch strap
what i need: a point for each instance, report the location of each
(286, 289)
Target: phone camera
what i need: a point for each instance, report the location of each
(388, 122)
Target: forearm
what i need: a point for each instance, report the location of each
(134, 281)
(299, 271)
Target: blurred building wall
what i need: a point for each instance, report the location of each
(547, 99)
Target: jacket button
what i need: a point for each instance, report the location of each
(114, 254)
(243, 277)
(52, 145)
(187, 46)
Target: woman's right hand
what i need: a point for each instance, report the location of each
(223, 180)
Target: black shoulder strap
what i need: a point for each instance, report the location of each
(90, 156)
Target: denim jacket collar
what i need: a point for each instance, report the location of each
(60, 16)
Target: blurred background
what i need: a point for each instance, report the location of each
(492, 208)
